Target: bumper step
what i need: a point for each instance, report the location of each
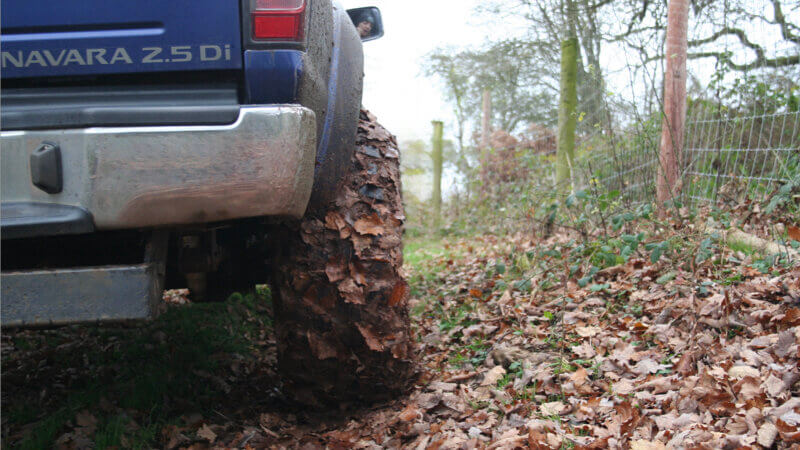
(28, 219)
(53, 297)
(86, 294)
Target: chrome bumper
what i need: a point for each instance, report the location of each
(261, 165)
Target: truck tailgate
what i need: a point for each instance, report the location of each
(46, 38)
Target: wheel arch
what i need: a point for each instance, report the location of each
(345, 84)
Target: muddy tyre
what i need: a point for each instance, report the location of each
(341, 320)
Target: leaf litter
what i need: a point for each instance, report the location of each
(518, 350)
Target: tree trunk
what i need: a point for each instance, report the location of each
(566, 113)
(436, 156)
(486, 119)
(486, 129)
(668, 182)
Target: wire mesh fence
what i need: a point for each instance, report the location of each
(742, 142)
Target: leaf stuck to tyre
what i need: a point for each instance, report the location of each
(341, 309)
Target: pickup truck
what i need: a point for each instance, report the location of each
(212, 145)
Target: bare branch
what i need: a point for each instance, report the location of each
(780, 19)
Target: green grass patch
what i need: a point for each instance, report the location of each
(136, 379)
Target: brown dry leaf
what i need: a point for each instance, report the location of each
(552, 409)
(794, 232)
(767, 434)
(206, 433)
(321, 348)
(792, 317)
(742, 371)
(686, 364)
(773, 385)
(336, 270)
(409, 413)
(85, 419)
(623, 387)
(589, 331)
(176, 296)
(373, 341)
(647, 366)
(370, 225)
(399, 292)
(429, 400)
(584, 350)
(789, 433)
(493, 376)
(351, 292)
(357, 272)
(641, 444)
(335, 221)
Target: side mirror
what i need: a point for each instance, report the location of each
(367, 21)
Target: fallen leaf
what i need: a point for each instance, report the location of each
(743, 371)
(429, 401)
(589, 331)
(493, 376)
(552, 409)
(85, 419)
(352, 292)
(370, 225)
(336, 270)
(794, 232)
(584, 350)
(373, 341)
(409, 413)
(206, 433)
(623, 387)
(320, 346)
(647, 366)
(767, 434)
(641, 444)
(398, 293)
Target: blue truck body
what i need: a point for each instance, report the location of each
(150, 36)
(153, 117)
(92, 37)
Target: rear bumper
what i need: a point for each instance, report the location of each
(261, 165)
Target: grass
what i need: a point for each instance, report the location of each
(155, 372)
(427, 256)
(420, 250)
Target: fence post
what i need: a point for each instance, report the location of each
(436, 156)
(565, 151)
(668, 181)
(486, 118)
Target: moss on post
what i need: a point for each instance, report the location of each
(437, 157)
(566, 113)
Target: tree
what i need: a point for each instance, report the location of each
(745, 28)
(672, 134)
(509, 70)
(554, 21)
(445, 64)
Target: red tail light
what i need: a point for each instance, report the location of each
(278, 20)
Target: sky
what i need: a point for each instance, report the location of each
(405, 101)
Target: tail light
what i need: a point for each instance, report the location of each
(278, 20)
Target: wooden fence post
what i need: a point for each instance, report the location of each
(670, 155)
(437, 157)
(568, 102)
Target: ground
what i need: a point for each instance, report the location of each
(549, 338)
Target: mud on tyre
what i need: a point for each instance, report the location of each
(342, 322)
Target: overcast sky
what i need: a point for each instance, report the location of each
(394, 89)
(406, 102)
